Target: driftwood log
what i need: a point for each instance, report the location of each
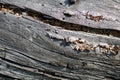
(59, 40)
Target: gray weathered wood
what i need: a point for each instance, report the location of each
(34, 50)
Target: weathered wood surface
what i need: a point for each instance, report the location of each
(109, 10)
(33, 50)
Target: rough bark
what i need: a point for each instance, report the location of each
(34, 45)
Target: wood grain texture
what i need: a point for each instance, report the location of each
(33, 50)
(109, 10)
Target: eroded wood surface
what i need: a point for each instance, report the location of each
(108, 10)
(31, 49)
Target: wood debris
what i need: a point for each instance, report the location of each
(95, 18)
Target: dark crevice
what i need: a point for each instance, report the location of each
(15, 62)
(38, 70)
(6, 8)
(6, 77)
